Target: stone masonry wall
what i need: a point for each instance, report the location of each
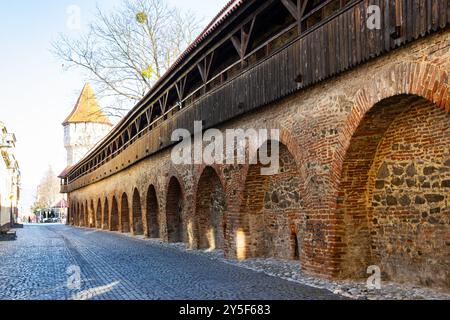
(369, 184)
(409, 186)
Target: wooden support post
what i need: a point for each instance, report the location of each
(163, 102)
(297, 10)
(242, 41)
(204, 67)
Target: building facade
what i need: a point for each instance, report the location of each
(9, 180)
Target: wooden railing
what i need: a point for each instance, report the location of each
(338, 43)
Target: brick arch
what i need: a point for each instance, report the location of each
(77, 214)
(174, 210)
(70, 214)
(270, 209)
(420, 79)
(82, 215)
(288, 140)
(210, 208)
(174, 174)
(137, 213)
(114, 224)
(152, 205)
(86, 214)
(98, 214)
(124, 214)
(200, 169)
(386, 203)
(105, 215)
(92, 215)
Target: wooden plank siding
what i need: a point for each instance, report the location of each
(332, 47)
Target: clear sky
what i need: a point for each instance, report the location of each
(36, 94)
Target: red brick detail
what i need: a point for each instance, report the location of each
(114, 218)
(391, 206)
(271, 212)
(136, 212)
(124, 214)
(209, 210)
(98, 215)
(174, 211)
(153, 219)
(92, 215)
(105, 217)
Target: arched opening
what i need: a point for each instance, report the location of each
(114, 215)
(92, 215)
(152, 213)
(82, 220)
(86, 214)
(271, 205)
(77, 215)
(98, 216)
(210, 208)
(137, 214)
(69, 214)
(124, 215)
(295, 245)
(174, 211)
(106, 215)
(394, 193)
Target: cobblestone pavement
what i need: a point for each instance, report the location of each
(118, 267)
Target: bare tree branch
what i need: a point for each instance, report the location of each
(127, 50)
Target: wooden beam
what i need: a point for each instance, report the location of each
(297, 10)
(148, 115)
(202, 71)
(241, 43)
(301, 5)
(237, 44)
(152, 112)
(204, 67)
(246, 33)
(208, 63)
(163, 102)
(180, 86)
(398, 13)
(291, 7)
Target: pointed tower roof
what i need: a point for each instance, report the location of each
(87, 109)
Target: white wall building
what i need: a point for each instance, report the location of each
(84, 127)
(9, 180)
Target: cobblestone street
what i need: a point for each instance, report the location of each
(114, 266)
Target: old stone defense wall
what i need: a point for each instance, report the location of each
(365, 179)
